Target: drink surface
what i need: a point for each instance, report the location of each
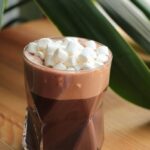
(69, 53)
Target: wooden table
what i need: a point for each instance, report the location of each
(127, 127)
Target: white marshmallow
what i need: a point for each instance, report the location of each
(48, 61)
(43, 43)
(60, 56)
(77, 67)
(82, 59)
(32, 48)
(69, 39)
(65, 43)
(102, 58)
(40, 54)
(99, 64)
(91, 44)
(102, 49)
(60, 66)
(86, 55)
(73, 48)
(71, 61)
(72, 39)
(58, 44)
(71, 69)
(89, 52)
(51, 49)
(87, 66)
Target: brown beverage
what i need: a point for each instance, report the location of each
(65, 107)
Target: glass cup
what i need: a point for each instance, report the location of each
(64, 109)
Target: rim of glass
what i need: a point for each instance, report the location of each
(49, 69)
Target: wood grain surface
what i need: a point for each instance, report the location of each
(127, 127)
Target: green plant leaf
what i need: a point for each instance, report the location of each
(2, 6)
(130, 77)
(131, 19)
(144, 5)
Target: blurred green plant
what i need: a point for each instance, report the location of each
(130, 77)
(2, 7)
(131, 19)
(144, 5)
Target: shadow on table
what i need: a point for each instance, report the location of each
(142, 130)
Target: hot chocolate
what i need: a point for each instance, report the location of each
(65, 106)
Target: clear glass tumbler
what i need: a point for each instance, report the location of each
(65, 107)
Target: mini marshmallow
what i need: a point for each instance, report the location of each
(51, 49)
(48, 61)
(60, 56)
(82, 59)
(40, 54)
(71, 61)
(31, 48)
(65, 43)
(102, 49)
(73, 48)
(43, 43)
(91, 44)
(89, 52)
(86, 55)
(87, 66)
(71, 69)
(69, 39)
(58, 43)
(72, 39)
(102, 58)
(77, 67)
(99, 64)
(60, 66)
